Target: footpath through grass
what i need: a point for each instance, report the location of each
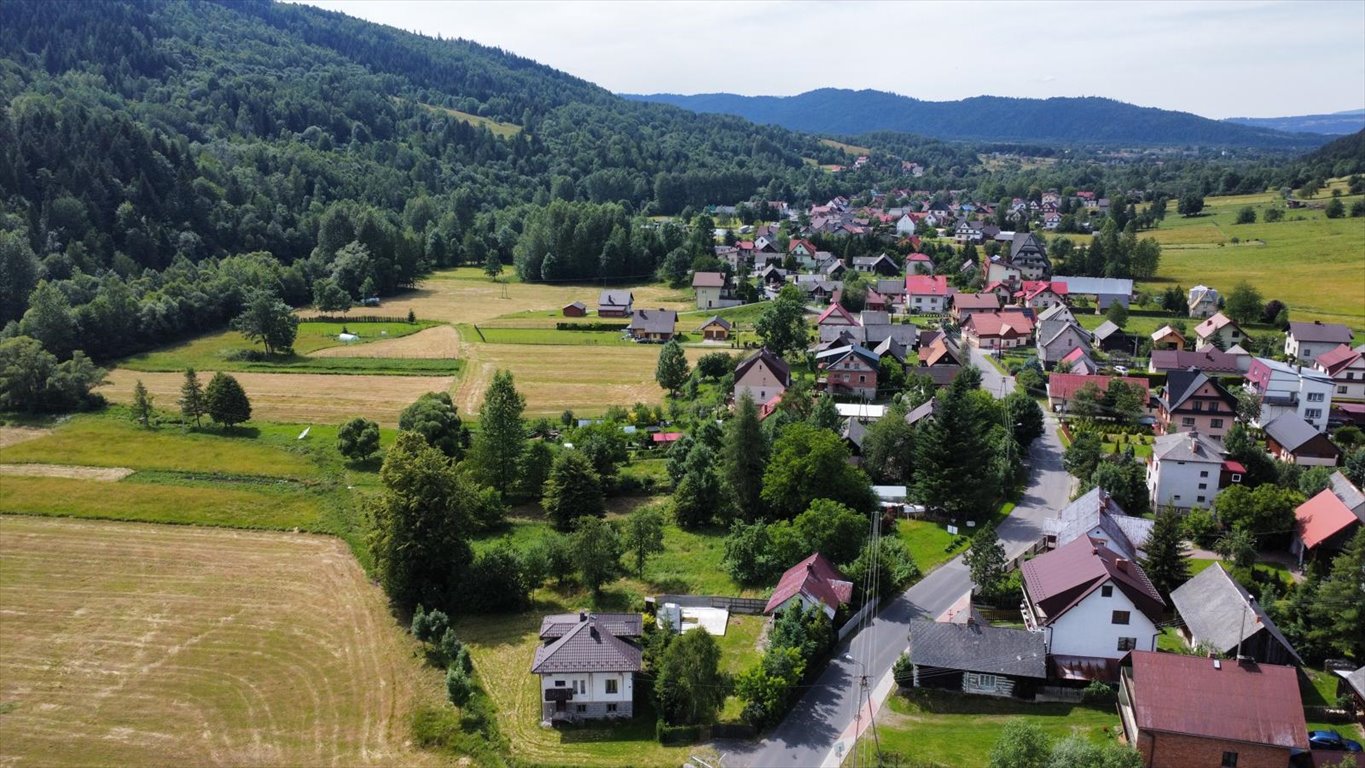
(953, 729)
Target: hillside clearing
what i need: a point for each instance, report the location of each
(297, 398)
(132, 644)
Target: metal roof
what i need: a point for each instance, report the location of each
(1219, 612)
(587, 647)
(1247, 702)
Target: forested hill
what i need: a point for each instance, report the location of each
(149, 146)
(1335, 124)
(985, 118)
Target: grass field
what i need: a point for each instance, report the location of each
(129, 644)
(950, 729)
(848, 149)
(316, 350)
(437, 342)
(297, 398)
(1314, 264)
(499, 129)
(930, 543)
(499, 334)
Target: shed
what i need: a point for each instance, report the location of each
(976, 658)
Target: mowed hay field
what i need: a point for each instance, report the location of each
(128, 644)
(436, 343)
(296, 398)
(552, 378)
(1314, 264)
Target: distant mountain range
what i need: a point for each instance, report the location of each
(1085, 120)
(1334, 124)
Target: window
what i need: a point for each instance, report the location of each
(1203, 486)
(580, 708)
(980, 681)
(1312, 413)
(1236, 478)
(1187, 421)
(1342, 389)
(1201, 499)
(1315, 397)
(559, 683)
(1120, 617)
(611, 707)
(1203, 472)
(1229, 760)
(1127, 643)
(1107, 590)
(611, 686)
(1215, 423)
(575, 687)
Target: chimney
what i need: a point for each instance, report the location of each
(582, 616)
(592, 630)
(1217, 664)
(1122, 564)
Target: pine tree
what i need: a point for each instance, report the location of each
(744, 456)
(986, 561)
(1165, 563)
(671, 372)
(192, 405)
(1338, 609)
(226, 401)
(573, 490)
(501, 439)
(142, 404)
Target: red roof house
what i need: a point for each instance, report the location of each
(1323, 521)
(813, 581)
(1061, 387)
(1180, 710)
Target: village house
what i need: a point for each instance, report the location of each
(1326, 522)
(972, 657)
(1180, 711)
(849, 371)
(998, 330)
(1305, 341)
(905, 225)
(1096, 515)
(1208, 359)
(763, 376)
(922, 413)
(1294, 441)
(1058, 338)
(1220, 615)
(1286, 389)
(835, 320)
(1184, 471)
(715, 329)
(1192, 402)
(1346, 366)
(967, 232)
(919, 264)
(880, 265)
(1202, 301)
(1039, 295)
(710, 289)
(587, 665)
(1220, 331)
(575, 309)
(1028, 253)
(967, 304)
(1108, 337)
(998, 269)
(1167, 337)
(654, 325)
(926, 293)
(1093, 605)
(615, 303)
(1062, 388)
(812, 582)
(1101, 291)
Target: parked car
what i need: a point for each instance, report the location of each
(1332, 740)
(1121, 370)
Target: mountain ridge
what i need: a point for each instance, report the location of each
(1059, 119)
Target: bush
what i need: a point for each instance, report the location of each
(903, 671)
(676, 735)
(1098, 694)
(245, 356)
(1201, 527)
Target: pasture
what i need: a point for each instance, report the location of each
(296, 398)
(130, 644)
(1314, 264)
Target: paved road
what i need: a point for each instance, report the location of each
(992, 380)
(818, 730)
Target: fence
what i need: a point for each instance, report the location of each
(856, 620)
(355, 319)
(749, 605)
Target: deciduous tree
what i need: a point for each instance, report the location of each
(782, 324)
(358, 439)
(226, 401)
(269, 321)
(1243, 303)
(644, 536)
(671, 371)
(596, 551)
(690, 685)
(433, 417)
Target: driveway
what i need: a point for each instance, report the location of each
(820, 729)
(992, 381)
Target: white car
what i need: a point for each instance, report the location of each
(1121, 370)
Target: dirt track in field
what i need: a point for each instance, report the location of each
(129, 644)
(300, 398)
(441, 342)
(98, 474)
(15, 435)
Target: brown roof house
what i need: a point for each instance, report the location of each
(1220, 615)
(763, 376)
(1167, 337)
(813, 581)
(1181, 711)
(1192, 402)
(615, 303)
(587, 665)
(656, 325)
(575, 309)
(715, 329)
(1093, 605)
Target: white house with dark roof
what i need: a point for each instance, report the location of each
(1184, 470)
(1305, 341)
(1202, 301)
(587, 665)
(1346, 366)
(763, 376)
(1284, 389)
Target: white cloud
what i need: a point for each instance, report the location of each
(1213, 58)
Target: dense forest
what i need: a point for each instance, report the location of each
(160, 161)
(1087, 120)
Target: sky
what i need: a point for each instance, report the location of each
(1217, 59)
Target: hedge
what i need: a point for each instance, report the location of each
(562, 326)
(677, 735)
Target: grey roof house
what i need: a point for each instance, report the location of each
(587, 666)
(1220, 614)
(615, 303)
(976, 658)
(1097, 515)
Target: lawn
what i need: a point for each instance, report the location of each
(1141, 444)
(130, 644)
(212, 352)
(552, 336)
(951, 729)
(930, 543)
(1308, 261)
(1271, 569)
